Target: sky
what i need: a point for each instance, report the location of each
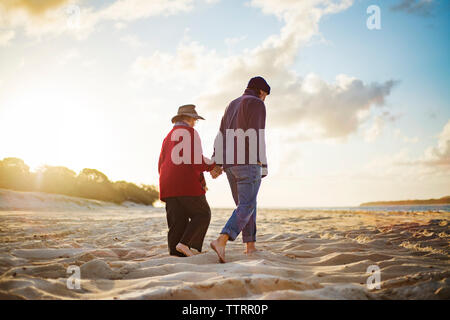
(354, 115)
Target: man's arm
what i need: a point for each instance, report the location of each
(218, 155)
(256, 115)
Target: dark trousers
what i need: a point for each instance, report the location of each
(188, 220)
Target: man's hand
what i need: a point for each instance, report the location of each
(264, 170)
(217, 171)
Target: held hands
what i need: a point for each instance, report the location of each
(217, 171)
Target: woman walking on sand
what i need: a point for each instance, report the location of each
(182, 184)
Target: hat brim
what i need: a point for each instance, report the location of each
(195, 116)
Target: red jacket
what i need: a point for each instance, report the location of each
(181, 173)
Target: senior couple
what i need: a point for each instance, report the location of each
(182, 165)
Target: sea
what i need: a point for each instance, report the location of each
(394, 208)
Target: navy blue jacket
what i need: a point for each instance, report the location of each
(246, 112)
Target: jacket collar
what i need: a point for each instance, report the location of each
(181, 123)
(250, 92)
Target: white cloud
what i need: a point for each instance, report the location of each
(440, 154)
(53, 17)
(35, 17)
(420, 7)
(399, 135)
(428, 171)
(132, 40)
(6, 37)
(130, 10)
(233, 41)
(32, 7)
(333, 108)
(189, 66)
(374, 131)
(120, 25)
(22, 63)
(435, 159)
(378, 124)
(68, 56)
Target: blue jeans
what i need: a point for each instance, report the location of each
(245, 181)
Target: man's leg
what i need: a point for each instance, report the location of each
(219, 244)
(248, 179)
(249, 231)
(200, 214)
(249, 234)
(233, 185)
(177, 221)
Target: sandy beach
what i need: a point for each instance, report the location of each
(122, 254)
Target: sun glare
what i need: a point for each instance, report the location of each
(46, 127)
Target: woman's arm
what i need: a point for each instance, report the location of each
(200, 162)
(161, 156)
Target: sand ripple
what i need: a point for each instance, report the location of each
(305, 255)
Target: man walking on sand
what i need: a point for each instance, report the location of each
(241, 144)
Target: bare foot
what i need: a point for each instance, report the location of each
(184, 250)
(250, 248)
(219, 249)
(195, 252)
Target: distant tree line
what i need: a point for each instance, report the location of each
(89, 183)
(443, 200)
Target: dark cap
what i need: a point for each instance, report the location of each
(259, 83)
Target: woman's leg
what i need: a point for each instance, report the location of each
(177, 222)
(200, 214)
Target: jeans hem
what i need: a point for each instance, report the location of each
(248, 239)
(231, 234)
